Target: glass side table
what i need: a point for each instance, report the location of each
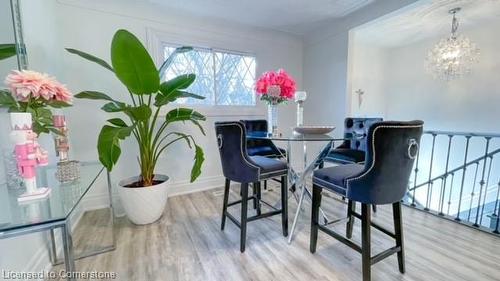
(54, 212)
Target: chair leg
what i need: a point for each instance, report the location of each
(374, 208)
(259, 196)
(224, 204)
(254, 193)
(398, 230)
(351, 208)
(284, 205)
(243, 222)
(316, 203)
(365, 241)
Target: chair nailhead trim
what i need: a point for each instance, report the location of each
(348, 181)
(329, 183)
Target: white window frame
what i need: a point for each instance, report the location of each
(157, 40)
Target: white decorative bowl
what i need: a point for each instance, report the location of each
(314, 130)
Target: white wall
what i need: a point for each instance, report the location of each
(408, 91)
(405, 90)
(326, 64)
(89, 26)
(468, 104)
(370, 80)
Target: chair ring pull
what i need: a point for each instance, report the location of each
(219, 140)
(412, 143)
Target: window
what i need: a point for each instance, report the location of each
(223, 78)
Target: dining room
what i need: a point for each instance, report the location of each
(249, 140)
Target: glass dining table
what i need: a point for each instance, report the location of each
(297, 179)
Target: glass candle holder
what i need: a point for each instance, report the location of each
(300, 97)
(68, 171)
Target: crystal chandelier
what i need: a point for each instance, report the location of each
(452, 57)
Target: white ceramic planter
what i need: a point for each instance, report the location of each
(143, 205)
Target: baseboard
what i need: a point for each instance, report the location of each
(100, 200)
(186, 187)
(97, 201)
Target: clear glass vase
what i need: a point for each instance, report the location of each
(272, 119)
(13, 179)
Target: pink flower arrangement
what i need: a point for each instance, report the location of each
(33, 92)
(275, 87)
(25, 85)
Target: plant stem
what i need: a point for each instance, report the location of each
(159, 152)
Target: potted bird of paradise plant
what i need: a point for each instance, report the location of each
(143, 197)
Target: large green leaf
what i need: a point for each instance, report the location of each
(161, 99)
(171, 58)
(185, 114)
(169, 89)
(133, 65)
(113, 107)
(199, 158)
(185, 137)
(42, 112)
(40, 128)
(108, 144)
(7, 51)
(91, 58)
(6, 99)
(117, 122)
(178, 83)
(42, 120)
(184, 94)
(58, 104)
(139, 113)
(93, 95)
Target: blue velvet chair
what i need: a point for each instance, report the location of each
(382, 179)
(238, 166)
(261, 147)
(353, 149)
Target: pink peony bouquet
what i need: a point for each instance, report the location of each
(275, 87)
(30, 91)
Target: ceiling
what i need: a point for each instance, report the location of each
(295, 16)
(426, 19)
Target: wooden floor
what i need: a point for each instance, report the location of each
(187, 244)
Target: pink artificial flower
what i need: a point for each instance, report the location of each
(62, 93)
(26, 84)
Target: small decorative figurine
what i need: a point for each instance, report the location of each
(67, 171)
(29, 155)
(61, 140)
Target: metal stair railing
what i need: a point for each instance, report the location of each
(457, 184)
